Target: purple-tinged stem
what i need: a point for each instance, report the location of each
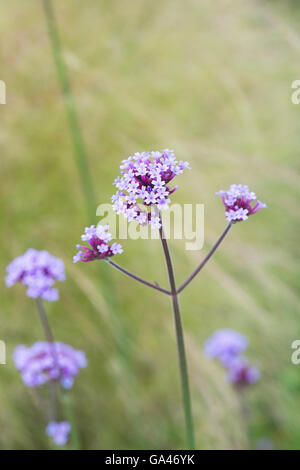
(180, 345)
(139, 279)
(203, 263)
(44, 320)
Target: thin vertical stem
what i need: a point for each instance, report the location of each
(75, 129)
(244, 413)
(44, 320)
(50, 339)
(180, 345)
(70, 417)
(52, 384)
(80, 156)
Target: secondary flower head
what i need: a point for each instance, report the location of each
(239, 202)
(43, 362)
(98, 238)
(59, 432)
(37, 270)
(225, 345)
(241, 373)
(144, 184)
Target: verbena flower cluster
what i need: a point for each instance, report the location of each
(144, 184)
(143, 189)
(59, 432)
(241, 372)
(38, 271)
(227, 346)
(237, 201)
(98, 238)
(43, 362)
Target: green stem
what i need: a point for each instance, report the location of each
(244, 412)
(44, 321)
(81, 158)
(180, 346)
(75, 129)
(50, 339)
(207, 257)
(70, 417)
(53, 385)
(138, 278)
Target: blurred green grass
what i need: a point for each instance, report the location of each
(212, 80)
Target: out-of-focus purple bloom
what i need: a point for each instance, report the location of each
(144, 184)
(37, 270)
(239, 202)
(59, 432)
(225, 344)
(44, 361)
(98, 238)
(241, 372)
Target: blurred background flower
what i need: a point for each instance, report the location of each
(37, 270)
(227, 346)
(59, 432)
(43, 362)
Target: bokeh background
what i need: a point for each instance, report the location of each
(212, 80)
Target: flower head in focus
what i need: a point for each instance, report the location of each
(38, 271)
(59, 432)
(98, 238)
(225, 344)
(144, 184)
(239, 203)
(43, 362)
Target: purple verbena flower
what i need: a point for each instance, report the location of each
(225, 344)
(59, 432)
(241, 373)
(144, 184)
(239, 203)
(43, 362)
(37, 270)
(98, 238)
